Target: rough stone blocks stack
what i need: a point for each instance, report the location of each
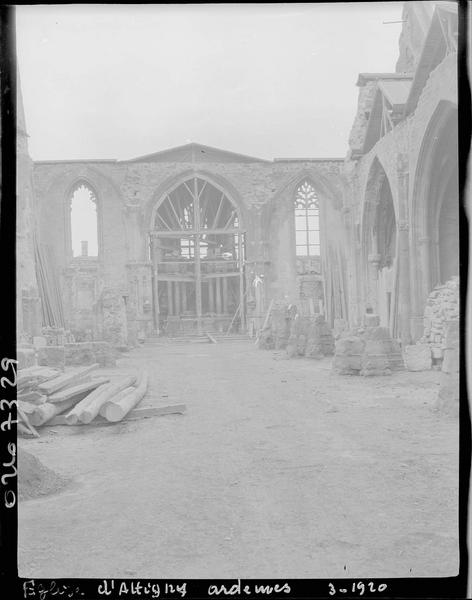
(348, 355)
(382, 354)
(418, 357)
(367, 352)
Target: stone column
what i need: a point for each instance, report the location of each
(404, 292)
(373, 274)
(404, 283)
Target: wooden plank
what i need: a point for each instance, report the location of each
(115, 411)
(26, 422)
(49, 387)
(133, 415)
(34, 397)
(188, 232)
(80, 388)
(266, 321)
(211, 338)
(27, 407)
(218, 296)
(35, 375)
(109, 392)
(47, 411)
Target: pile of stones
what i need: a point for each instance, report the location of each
(441, 308)
(310, 337)
(441, 321)
(367, 351)
(299, 335)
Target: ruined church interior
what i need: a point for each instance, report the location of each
(269, 315)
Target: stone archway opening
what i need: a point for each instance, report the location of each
(197, 253)
(83, 221)
(436, 206)
(380, 248)
(443, 206)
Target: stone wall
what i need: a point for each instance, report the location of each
(126, 194)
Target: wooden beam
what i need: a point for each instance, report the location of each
(190, 232)
(75, 390)
(57, 383)
(133, 415)
(241, 282)
(218, 296)
(221, 275)
(177, 297)
(170, 301)
(211, 296)
(225, 295)
(198, 274)
(211, 338)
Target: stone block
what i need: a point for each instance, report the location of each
(52, 356)
(417, 357)
(371, 320)
(348, 355)
(26, 357)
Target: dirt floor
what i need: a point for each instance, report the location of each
(279, 468)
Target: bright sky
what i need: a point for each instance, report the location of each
(268, 80)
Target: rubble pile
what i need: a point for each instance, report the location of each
(442, 307)
(367, 351)
(308, 336)
(35, 479)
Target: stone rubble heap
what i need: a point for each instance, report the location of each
(367, 351)
(310, 337)
(441, 317)
(298, 335)
(442, 306)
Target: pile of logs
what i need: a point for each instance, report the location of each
(78, 395)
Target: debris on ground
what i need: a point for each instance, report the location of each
(35, 479)
(79, 397)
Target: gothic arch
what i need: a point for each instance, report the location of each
(435, 202)
(324, 188)
(172, 183)
(379, 245)
(58, 194)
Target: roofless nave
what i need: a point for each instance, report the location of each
(196, 237)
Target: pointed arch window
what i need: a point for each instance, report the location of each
(307, 220)
(83, 221)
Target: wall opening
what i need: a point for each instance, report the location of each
(84, 222)
(307, 220)
(380, 249)
(308, 248)
(197, 249)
